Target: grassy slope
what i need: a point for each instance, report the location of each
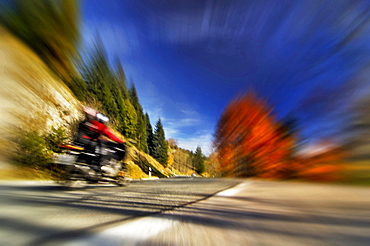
(29, 88)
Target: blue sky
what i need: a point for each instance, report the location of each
(189, 58)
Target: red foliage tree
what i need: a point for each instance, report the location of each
(249, 141)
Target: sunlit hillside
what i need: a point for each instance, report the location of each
(33, 98)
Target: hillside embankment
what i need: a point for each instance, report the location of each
(33, 98)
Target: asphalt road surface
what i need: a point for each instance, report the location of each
(185, 212)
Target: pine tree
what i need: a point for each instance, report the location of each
(100, 80)
(122, 79)
(134, 98)
(149, 133)
(198, 160)
(108, 92)
(141, 134)
(160, 146)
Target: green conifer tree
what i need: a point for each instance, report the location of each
(160, 151)
(101, 82)
(150, 136)
(198, 160)
(141, 133)
(127, 113)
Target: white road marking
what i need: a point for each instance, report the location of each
(128, 234)
(232, 191)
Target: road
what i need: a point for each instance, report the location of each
(185, 212)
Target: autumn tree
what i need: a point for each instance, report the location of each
(173, 143)
(183, 160)
(250, 142)
(212, 165)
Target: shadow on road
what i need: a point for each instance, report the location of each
(284, 212)
(100, 206)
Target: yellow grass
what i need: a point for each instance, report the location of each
(24, 174)
(357, 172)
(135, 171)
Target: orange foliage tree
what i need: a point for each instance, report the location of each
(328, 165)
(249, 142)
